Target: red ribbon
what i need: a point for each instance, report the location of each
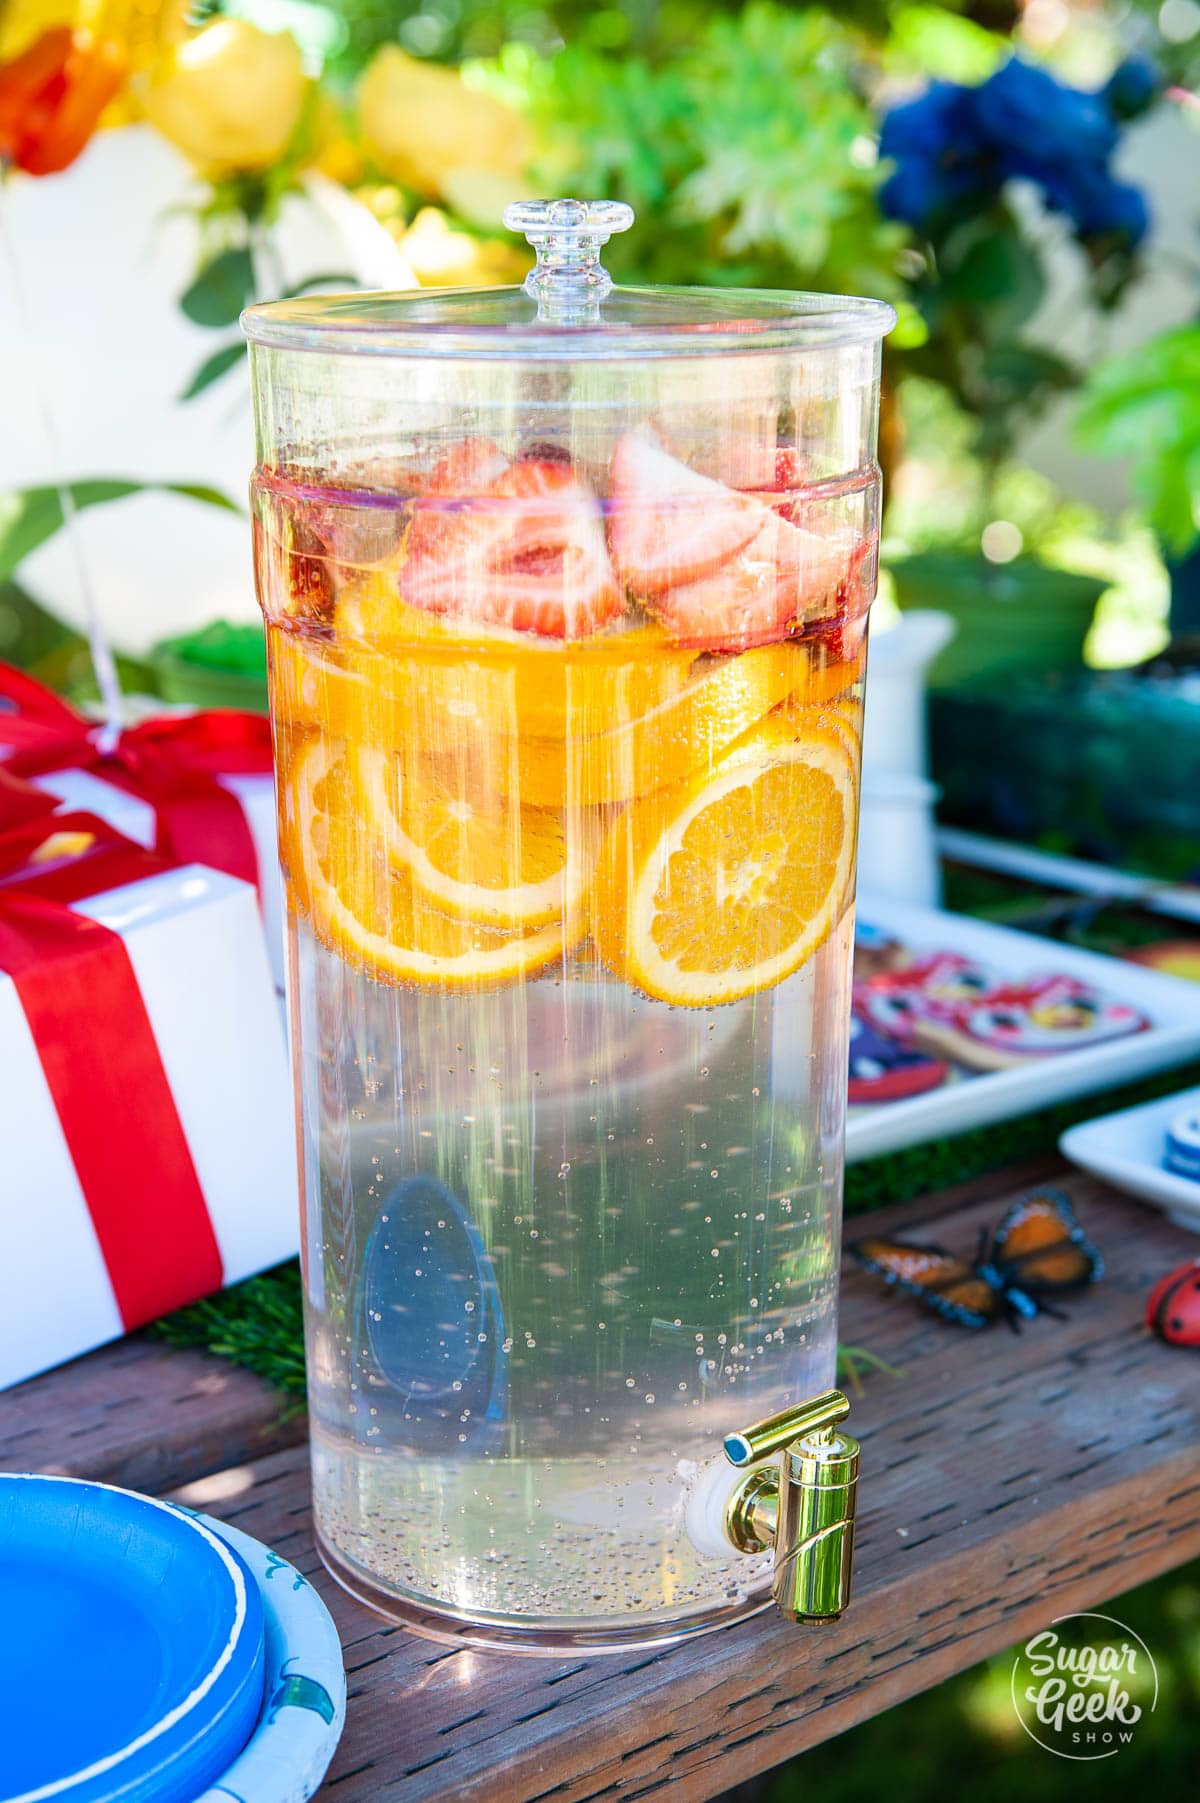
(80, 996)
(172, 763)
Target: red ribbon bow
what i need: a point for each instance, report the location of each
(172, 763)
(81, 999)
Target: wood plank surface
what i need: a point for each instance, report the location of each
(1005, 1480)
(143, 1414)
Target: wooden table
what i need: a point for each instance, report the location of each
(1005, 1481)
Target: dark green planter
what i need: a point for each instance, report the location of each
(1011, 617)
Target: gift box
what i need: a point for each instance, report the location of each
(196, 788)
(145, 1097)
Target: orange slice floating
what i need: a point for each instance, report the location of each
(725, 884)
(689, 731)
(466, 847)
(361, 907)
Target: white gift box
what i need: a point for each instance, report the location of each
(194, 941)
(130, 815)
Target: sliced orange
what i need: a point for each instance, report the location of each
(467, 848)
(723, 698)
(826, 678)
(725, 884)
(797, 718)
(363, 909)
(466, 677)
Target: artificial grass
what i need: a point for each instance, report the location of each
(258, 1323)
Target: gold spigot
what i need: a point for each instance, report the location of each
(803, 1506)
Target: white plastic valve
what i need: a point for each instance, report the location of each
(710, 1487)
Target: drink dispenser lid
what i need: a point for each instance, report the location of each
(568, 308)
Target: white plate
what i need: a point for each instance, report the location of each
(1172, 1006)
(1126, 1150)
(304, 1705)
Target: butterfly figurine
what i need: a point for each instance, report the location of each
(1038, 1249)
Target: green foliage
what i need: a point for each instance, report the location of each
(1145, 405)
(943, 44)
(30, 516)
(221, 288)
(454, 30)
(214, 367)
(219, 291)
(977, 291)
(257, 1324)
(748, 157)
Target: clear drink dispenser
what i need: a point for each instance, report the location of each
(566, 590)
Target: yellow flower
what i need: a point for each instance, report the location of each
(229, 97)
(143, 27)
(424, 126)
(328, 145)
(440, 257)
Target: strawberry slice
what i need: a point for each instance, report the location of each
(783, 496)
(524, 547)
(468, 468)
(671, 526)
(786, 579)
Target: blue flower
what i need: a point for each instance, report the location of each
(1101, 207)
(1132, 87)
(922, 193)
(935, 147)
(1024, 109)
(938, 121)
(1091, 198)
(954, 147)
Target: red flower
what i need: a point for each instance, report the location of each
(52, 95)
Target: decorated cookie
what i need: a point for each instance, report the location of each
(1175, 957)
(882, 1070)
(1016, 1022)
(935, 986)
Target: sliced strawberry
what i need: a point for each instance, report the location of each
(785, 579)
(290, 565)
(669, 525)
(782, 490)
(467, 468)
(527, 551)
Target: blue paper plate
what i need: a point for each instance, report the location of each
(131, 1647)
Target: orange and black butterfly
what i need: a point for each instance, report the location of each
(1038, 1248)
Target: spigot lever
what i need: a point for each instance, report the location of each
(804, 1507)
(777, 1431)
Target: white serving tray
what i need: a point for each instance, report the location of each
(1126, 1150)
(1172, 1005)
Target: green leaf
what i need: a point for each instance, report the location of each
(337, 280)
(30, 516)
(214, 367)
(198, 491)
(1145, 405)
(221, 289)
(1018, 370)
(945, 45)
(997, 274)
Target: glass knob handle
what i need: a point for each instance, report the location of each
(568, 279)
